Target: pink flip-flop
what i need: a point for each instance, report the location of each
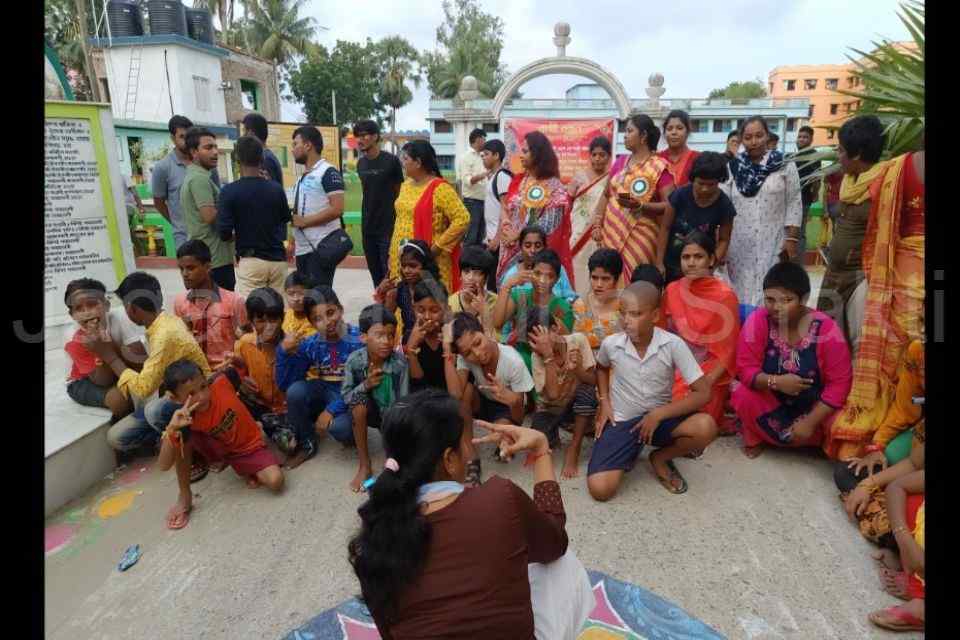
(178, 518)
(900, 619)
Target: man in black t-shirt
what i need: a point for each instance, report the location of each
(255, 125)
(255, 211)
(380, 176)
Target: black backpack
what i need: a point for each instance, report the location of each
(496, 194)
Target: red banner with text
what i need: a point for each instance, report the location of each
(570, 139)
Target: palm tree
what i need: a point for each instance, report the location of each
(892, 77)
(223, 9)
(277, 32)
(398, 60)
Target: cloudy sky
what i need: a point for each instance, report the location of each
(697, 45)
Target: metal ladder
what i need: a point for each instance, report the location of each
(133, 83)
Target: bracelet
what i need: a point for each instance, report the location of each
(548, 360)
(791, 240)
(899, 529)
(533, 457)
(771, 382)
(600, 397)
(873, 448)
(413, 351)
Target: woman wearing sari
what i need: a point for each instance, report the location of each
(633, 215)
(428, 209)
(766, 195)
(793, 366)
(586, 189)
(536, 197)
(861, 142)
(679, 157)
(893, 259)
(704, 311)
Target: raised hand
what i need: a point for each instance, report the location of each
(511, 438)
(495, 389)
(183, 417)
(291, 341)
(373, 379)
(540, 341)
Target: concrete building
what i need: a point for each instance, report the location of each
(450, 121)
(147, 79)
(821, 85)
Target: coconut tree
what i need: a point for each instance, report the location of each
(892, 77)
(399, 63)
(277, 32)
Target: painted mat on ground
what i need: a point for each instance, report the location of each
(624, 611)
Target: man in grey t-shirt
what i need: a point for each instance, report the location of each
(168, 175)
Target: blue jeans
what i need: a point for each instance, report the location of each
(306, 400)
(142, 428)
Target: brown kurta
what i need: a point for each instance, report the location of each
(475, 584)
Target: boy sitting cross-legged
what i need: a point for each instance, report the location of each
(316, 407)
(208, 417)
(490, 380)
(635, 387)
(374, 377)
(565, 377)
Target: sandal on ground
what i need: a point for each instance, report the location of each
(694, 455)
(674, 476)
(199, 469)
(896, 618)
(473, 473)
(177, 518)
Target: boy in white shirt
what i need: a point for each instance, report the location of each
(635, 373)
(490, 380)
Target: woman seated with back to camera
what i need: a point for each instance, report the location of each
(435, 559)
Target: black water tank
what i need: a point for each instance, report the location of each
(200, 25)
(166, 17)
(125, 18)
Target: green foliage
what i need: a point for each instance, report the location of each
(741, 90)
(470, 42)
(277, 32)
(893, 82)
(61, 28)
(397, 63)
(352, 70)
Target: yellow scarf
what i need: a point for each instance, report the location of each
(857, 190)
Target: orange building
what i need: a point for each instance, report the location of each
(820, 83)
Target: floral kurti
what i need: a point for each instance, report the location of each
(759, 230)
(450, 222)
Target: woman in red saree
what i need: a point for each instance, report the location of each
(536, 197)
(634, 215)
(893, 259)
(679, 157)
(704, 311)
(428, 209)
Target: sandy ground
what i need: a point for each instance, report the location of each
(757, 549)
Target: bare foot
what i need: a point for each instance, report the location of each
(179, 514)
(297, 459)
(570, 464)
(356, 485)
(754, 452)
(252, 482)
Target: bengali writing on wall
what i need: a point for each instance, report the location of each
(77, 242)
(570, 139)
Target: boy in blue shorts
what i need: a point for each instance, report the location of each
(635, 373)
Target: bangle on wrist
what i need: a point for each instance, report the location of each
(415, 351)
(872, 448)
(900, 529)
(792, 240)
(533, 457)
(771, 382)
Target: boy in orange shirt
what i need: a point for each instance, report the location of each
(208, 417)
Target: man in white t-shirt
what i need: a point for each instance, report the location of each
(493, 155)
(472, 182)
(494, 370)
(318, 207)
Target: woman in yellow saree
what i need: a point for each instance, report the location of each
(893, 259)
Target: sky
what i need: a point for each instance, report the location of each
(698, 45)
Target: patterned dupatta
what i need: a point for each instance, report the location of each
(423, 228)
(633, 236)
(544, 203)
(582, 213)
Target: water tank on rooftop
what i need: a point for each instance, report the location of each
(200, 25)
(125, 18)
(167, 17)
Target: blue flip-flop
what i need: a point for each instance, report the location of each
(130, 557)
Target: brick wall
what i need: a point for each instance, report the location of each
(237, 67)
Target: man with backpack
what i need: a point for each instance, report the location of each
(493, 155)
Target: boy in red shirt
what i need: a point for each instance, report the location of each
(210, 418)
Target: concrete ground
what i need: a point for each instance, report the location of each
(757, 549)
